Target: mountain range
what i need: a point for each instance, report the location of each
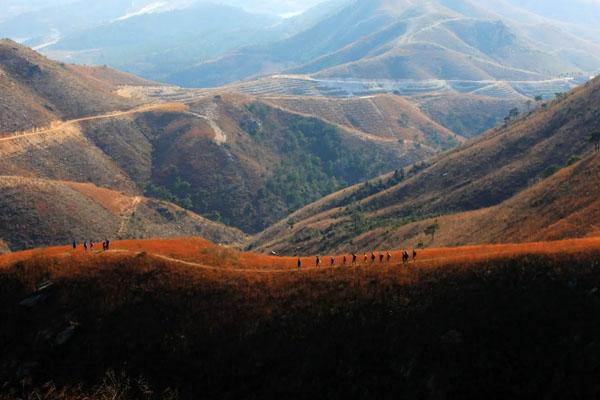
(403, 40)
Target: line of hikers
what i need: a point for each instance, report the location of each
(382, 258)
(89, 245)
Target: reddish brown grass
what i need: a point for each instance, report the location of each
(202, 253)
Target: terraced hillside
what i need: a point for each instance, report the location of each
(38, 212)
(486, 172)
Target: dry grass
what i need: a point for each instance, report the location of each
(474, 321)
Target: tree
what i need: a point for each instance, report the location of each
(431, 230)
(514, 113)
(538, 98)
(595, 139)
(529, 103)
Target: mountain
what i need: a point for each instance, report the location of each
(156, 44)
(242, 160)
(37, 91)
(37, 212)
(403, 40)
(502, 181)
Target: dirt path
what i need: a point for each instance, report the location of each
(61, 125)
(127, 215)
(210, 115)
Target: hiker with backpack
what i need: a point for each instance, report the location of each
(318, 262)
(380, 258)
(299, 263)
(353, 259)
(389, 257)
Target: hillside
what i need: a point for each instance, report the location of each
(42, 212)
(484, 173)
(468, 115)
(236, 159)
(168, 319)
(37, 91)
(382, 115)
(382, 40)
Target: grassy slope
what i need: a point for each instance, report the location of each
(382, 115)
(273, 160)
(498, 322)
(41, 212)
(466, 114)
(483, 173)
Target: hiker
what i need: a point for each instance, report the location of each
(332, 261)
(74, 244)
(353, 259)
(91, 245)
(107, 244)
(344, 260)
(414, 255)
(380, 258)
(365, 259)
(85, 247)
(372, 257)
(318, 262)
(299, 263)
(389, 256)
(405, 256)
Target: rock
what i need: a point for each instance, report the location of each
(26, 370)
(44, 285)
(66, 335)
(593, 292)
(32, 301)
(452, 337)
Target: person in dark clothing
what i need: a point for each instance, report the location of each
(91, 245)
(107, 244)
(353, 259)
(345, 260)
(414, 255)
(389, 256)
(405, 257)
(318, 261)
(373, 257)
(74, 244)
(85, 246)
(299, 263)
(332, 261)
(380, 258)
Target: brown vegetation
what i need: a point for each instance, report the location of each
(508, 321)
(484, 173)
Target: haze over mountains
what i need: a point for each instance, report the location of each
(458, 45)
